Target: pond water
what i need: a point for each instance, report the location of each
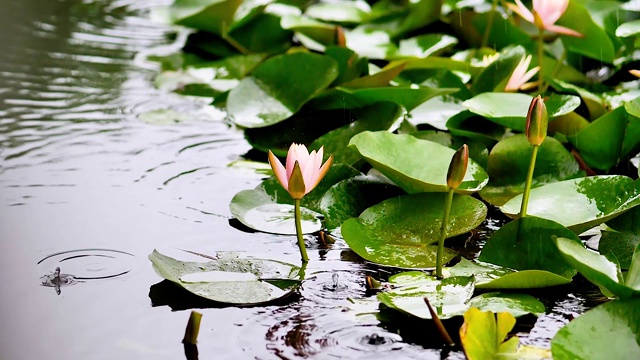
(88, 190)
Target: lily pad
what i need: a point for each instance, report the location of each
(514, 303)
(426, 45)
(527, 244)
(609, 331)
(610, 137)
(279, 87)
(448, 297)
(350, 197)
(510, 109)
(408, 97)
(508, 166)
(598, 269)
(579, 204)
(475, 127)
(619, 247)
(230, 280)
(213, 16)
(257, 210)
(401, 159)
(490, 276)
(399, 231)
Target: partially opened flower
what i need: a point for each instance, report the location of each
(545, 14)
(303, 170)
(520, 75)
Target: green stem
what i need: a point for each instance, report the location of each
(303, 248)
(443, 233)
(541, 86)
(487, 30)
(527, 186)
(556, 68)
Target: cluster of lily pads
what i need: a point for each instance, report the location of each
(391, 89)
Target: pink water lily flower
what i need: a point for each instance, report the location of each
(520, 74)
(309, 169)
(545, 14)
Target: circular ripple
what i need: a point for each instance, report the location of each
(309, 331)
(89, 264)
(327, 287)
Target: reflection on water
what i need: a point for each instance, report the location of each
(83, 168)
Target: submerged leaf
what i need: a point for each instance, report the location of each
(230, 280)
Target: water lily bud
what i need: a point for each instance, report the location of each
(458, 167)
(537, 121)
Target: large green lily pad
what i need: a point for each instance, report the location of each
(415, 165)
(609, 331)
(490, 276)
(514, 303)
(600, 271)
(579, 204)
(508, 166)
(230, 280)
(399, 231)
(618, 246)
(448, 297)
(510, 109)
(350, 197)
(610, 137)
(279, 87)
(527, 244)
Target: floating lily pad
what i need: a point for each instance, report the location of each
(342, 12)
(209, 15)
(230, 280)
(619, 247)
(527, 244)
(490, 276)
(279, 87)
(510, 109)
(514, 303)
(426, 45)
(508, 166)
(609, 331)
(579, 204)
(350, 197)
(399, 231)
(163, 117)
(258, 211)
(610, 137)
(629, 221)
(475, 127)
(402, 159)
(448, 297)
(379, 79)
(599, 270)
(496, 75)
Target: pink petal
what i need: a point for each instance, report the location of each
(564, 30)
(291, 160)
(309, 169)
(550, 10)
(530, 74)
(522, 11)
(278, 170)
(321, 173)
(516, 79)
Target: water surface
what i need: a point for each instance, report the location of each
(86, 186)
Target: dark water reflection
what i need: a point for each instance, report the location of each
(82, 178)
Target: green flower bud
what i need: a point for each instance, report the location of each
(458, 167)
(537, 121)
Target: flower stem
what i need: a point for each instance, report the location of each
(443, 233)
(527, 186)
(490, 19)
(541, 86)
(303, 248)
